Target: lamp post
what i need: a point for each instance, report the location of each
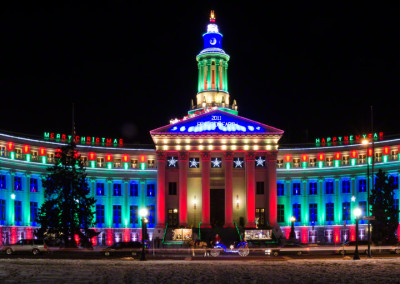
(143, 214)
(366, 142)
(292, 235)
(357, 213)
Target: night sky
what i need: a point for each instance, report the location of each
(311, 70)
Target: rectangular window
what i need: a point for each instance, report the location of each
(99, 213)
(2, 210)
(362, 185)
(34, 211)
(296, 163)
(346, 211)
(345, 160)
(17, 211)
(151, 192)
(281, 213)
(33, 184)
(280, 187)
(100, 188)
(117, 191)
(259, 187)
(396, 205)
(279, 164)
(313, 188)
(152, 213)
(134, 189)
(3, 184)
(345, 186)
(172, 188)
(172, 217)
(395, 181)
(260, 216)
(313, 162)
(150, 164)
(329, 187)
(297, 212)
(17, 183)
(363, 207)
(329, 211)
(117, 214)
(133, 214)
(313, 212)
(296, 188)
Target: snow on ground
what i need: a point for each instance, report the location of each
(177, 271)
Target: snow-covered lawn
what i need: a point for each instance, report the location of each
(177, 271)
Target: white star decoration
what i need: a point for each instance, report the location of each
(238, 163)
(216, 163)
(193, 163)
(260, 162)
(172, 162)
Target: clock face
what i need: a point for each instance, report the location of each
(213, 41)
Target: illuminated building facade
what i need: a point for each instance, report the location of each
(210, 168)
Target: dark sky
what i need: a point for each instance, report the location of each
(311, 70)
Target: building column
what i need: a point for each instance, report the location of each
(109, 207)
(272, 190)
(338, 204)
(228, 189)
(321, 203)
(161, 157)
(305, 206)
(289, 206)
(251, 194)
(125, 207)
(183, 168)
(205, 189)
(26, 205)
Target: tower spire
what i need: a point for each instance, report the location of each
(212, 16)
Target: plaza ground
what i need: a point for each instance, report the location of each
(241, 270)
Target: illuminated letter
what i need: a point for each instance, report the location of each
(83, 139)
(340, 138)
(52, 135)
(103, 140)
(58, 136)
(108, 141)
(317, 141)
(97, 140)
(47, 135)
(121, 141)
(115, 141)
(346, 138)
(351, 138)
(63, 137)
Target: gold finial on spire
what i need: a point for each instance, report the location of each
(212, 16)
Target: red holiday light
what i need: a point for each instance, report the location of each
(304, 158)
(386, 150)
(125, 158)
(42, 151)
(338, 155)
(353, 154)
(26, 149)
(321, 156)
(287, 158)
(369, 152)
(142, 158)
(10, 146)
(92, 156)
(108, 157)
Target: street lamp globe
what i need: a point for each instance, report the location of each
(12, 196)
(365, 141)
(143, 212)
(357, 212)
(292, 219)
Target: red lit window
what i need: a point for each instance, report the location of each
(287, 158)
(354, 154)
(321, 157)
(386, 151)
(125, 158)
(108, 158)
(26, 149)
(142, 158)
(337, 155)
(42, 151)
(369, 152)
(10, 146)
(92, 156)
(304, 157)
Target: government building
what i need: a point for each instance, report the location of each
(211, 168)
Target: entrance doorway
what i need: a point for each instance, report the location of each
(217, 207)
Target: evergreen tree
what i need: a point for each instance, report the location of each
(382, 207)
(67, 210)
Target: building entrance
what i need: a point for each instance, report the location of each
(217, 207)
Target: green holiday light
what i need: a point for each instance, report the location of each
(28, 157)
(304, 165)
(12, 155)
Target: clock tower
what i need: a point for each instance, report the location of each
(213, 76)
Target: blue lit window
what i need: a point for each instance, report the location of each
(329, 187)
(329, 211)
(117, 214)
(297, 212)
(280, 187)
(151, 191)
(17, 183)
(313, 188)
(362, 185)
(346, 211)
(281, 213)
(396, 205)
(117, 189)
(296, 188)
(363, 207)
(100, 188)
(134, 189)
(133, 214)
(345, 186)
(33, 185)
(313, 212)
(99, 213)
(395, 181)
(33, 211)
(2, 210)
(17, 211)
(3, 184)
(152, 212)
